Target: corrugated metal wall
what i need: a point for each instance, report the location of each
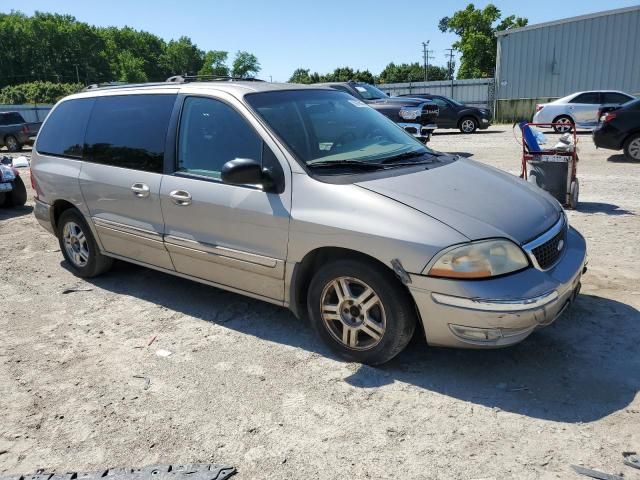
(30, 113)
(602, 52)
(476, 92)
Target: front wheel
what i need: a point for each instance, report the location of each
(361, 311)
(78, 246)
(468, 125)
(12, 143)
(632, 148)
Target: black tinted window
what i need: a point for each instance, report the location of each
(63, 132)
(589, 97)
(211, 134)
(11, 118)
(129, 131)
(612, 97)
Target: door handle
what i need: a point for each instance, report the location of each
(180, 197)
(140, 190)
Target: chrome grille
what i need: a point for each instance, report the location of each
(547, 249)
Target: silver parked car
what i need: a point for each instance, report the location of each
(307, 198)
(579, 109)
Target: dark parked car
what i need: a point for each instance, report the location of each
(619, 129)
(15, 132)
(416, 116)
(13, 192)
(454, 114)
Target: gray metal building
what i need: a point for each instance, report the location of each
(549, 60)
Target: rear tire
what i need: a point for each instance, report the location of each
(468, 125)
(78, 246)
(632, 148)
(18, 196)
(361, 311)
(12, 143)
(567, 124)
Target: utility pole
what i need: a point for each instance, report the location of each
(77, 73)
(425, 58)
(450, 50)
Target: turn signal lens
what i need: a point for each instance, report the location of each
(484, 259)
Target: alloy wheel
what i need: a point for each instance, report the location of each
(12, 144)
(75, 244)
(634, 148)
(468, 126)
(353, 313)
(565, 126)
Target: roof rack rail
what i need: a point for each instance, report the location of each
(209, 78)
(95, 86)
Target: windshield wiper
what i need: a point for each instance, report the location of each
(346, 163)
(400, 158)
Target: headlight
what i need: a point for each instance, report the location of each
(6, 174)
(410, 113)
(483, 259)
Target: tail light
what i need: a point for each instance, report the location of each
(539, 107)
(607, 117)
(25, 129)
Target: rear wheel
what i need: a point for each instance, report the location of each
(468, 125)
(12, 143)
(566, 124)
(79, 247)
(18, 196)
(361, 311)
(632, 148)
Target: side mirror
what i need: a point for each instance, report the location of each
(246, 171)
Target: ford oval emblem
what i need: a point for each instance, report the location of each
(560, 245)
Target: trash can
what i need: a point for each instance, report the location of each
(550, 176)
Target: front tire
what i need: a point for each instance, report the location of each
(361, 311)
(632, 148)
(78, 246)
(468, 125)
(12, 143)
(566, 124)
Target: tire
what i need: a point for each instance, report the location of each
(574, 193)
(632, 148)
(18, 196)
(79, 247)
(12, 143)
(375, 319)
(468, 125)
(566, 120)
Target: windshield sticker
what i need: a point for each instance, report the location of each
(361, 89)
(357, 103)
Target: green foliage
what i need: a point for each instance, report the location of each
(476, 29)
(341, 74)
(60, 49)
(245, 65)
(215, 63)
(37, 92)
(411, 72)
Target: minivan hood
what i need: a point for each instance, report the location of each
(476, 200)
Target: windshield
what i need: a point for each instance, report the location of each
(369, 92)
(455, 102)
(332, 126)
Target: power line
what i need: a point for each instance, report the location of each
(425, 59)
(450, 50)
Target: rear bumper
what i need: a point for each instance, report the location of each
(502, 311)
(42, 212)
(603, 137)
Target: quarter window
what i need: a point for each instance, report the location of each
(211, 134)
(63, 132)
(129, 131)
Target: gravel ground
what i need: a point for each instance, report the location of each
(247, 384)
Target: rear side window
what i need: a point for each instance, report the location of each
(589, 98)
(129, 131)
(63, 132)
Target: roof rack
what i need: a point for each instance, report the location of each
(209, 78)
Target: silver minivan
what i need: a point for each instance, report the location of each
(307, 198)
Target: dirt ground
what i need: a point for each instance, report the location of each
(249, 385)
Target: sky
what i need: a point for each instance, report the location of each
(320, 35)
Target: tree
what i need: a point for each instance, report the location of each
(245, 65)
(410, 72)
(476, 29)
(215, 63)
(301, 75)
(37, 92)
(130, 68)
(181, 56)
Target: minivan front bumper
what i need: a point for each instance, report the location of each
(502, 311)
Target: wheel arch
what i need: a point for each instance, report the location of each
(57, 209)
(568, 115)
(303, 273)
